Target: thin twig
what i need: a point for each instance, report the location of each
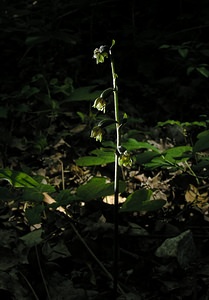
(109, 275)
(49, 200)
(30, 286)
(42, 275)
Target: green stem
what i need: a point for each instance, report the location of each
(115, 95)
(116, 177)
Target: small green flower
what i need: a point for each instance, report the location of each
(100, 104)
(97, 133)
(125, 159)
(100, 54)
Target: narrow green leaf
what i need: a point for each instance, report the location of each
(165, 46)
(18, 179)
(157, 162)
(106, 122)
(203, 71)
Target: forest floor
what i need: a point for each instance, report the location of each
(163, 254)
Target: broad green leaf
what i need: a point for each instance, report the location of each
(169, 122)
(178, 154)
(32, 238)
(18, 179)
(170, 157)
(145, 157)
(157, 162)
(97, 188)
(45, 188)
(202, 142)
(140, 201)
(32, 195)
(64, 198)
(152, 205)
(100, 157)
(195, 123)
(28, 91)
(134, 201)
(87, 93)
(132, 144)
(109, 144)
(36, 194)
(33, 214)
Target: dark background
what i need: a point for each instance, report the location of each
(161, 56)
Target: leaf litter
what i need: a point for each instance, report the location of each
(163, 253)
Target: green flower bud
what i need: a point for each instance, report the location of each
(97, 133)
(100, 104)
(125, 159)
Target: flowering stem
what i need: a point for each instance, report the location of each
(116, 177)
(100, 54)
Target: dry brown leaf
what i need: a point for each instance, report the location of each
(193, 196)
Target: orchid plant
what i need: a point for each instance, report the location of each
(122, 156)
